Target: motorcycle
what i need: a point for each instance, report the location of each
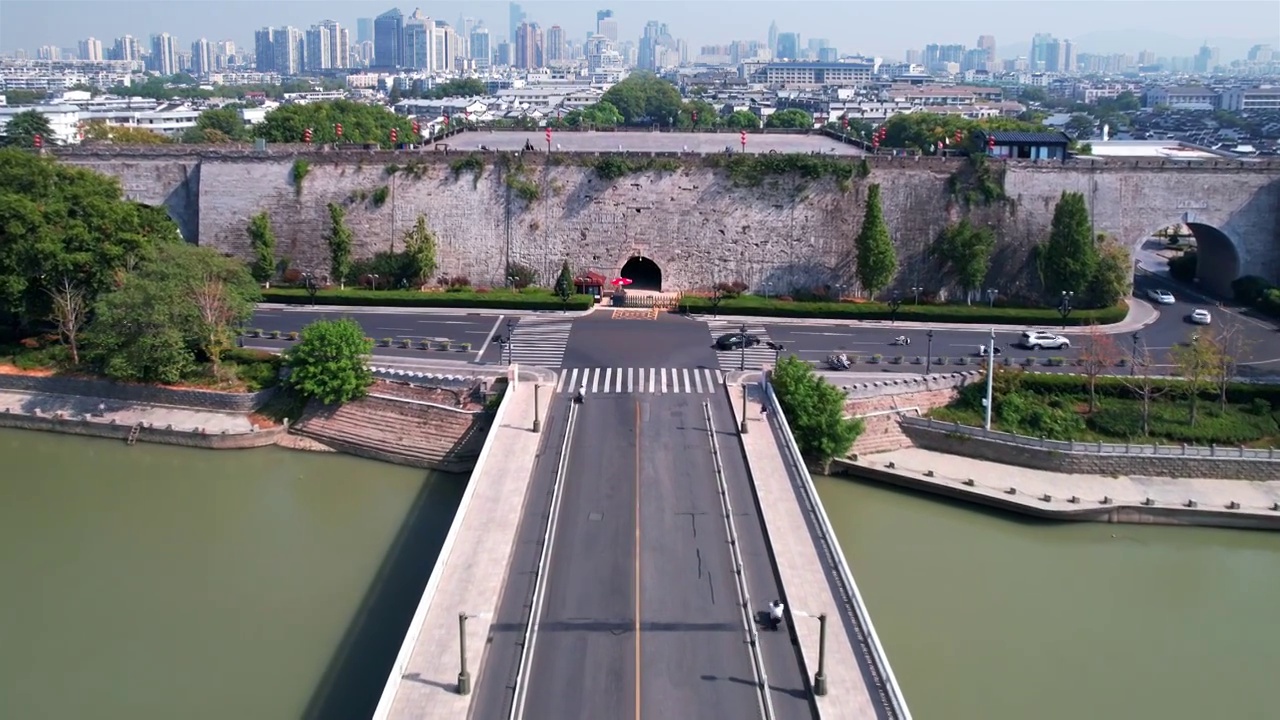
(901, 340)
(577, 398)
(982, 351)
(838, 362)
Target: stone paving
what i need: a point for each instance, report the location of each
(124, 413)
(802, 571)
(475, 568)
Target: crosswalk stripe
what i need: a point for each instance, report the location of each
(610, 381)
(595, 380)
(652, 373)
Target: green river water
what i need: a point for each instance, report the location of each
(158, 582)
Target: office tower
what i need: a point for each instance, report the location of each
(201, 57)
(515, 16)
(126, 48)
(388, 39)
(502, 54)
(527, 51)
(264, 53)
(773, 38)
(788, 46)
(339, 42)
(607, 25)
(364, 30)
(1260, 54)
(445, 47)
(319, 49)
(164, 54)
(828, 55)
(479, 48)
(289, 46)
(1059, 56)
(419, 38)
(1147, 57)
(554, 49)
(1207, 59)
(988, 43)
(91, 49)
(1040, 50)
(465, 26)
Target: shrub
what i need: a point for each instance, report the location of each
(292, 276)
(380, 196)
(473, 163)
(329, 363)
(814, 409)
(817, 307)
(1183, 267)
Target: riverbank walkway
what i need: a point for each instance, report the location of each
(856, 684)
(1225, 499)
(471, 571)
(123, 412)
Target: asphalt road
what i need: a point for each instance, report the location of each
(476, 329)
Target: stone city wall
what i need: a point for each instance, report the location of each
(696, 223)
(1222, 468)
(143, 394)
(187, 437)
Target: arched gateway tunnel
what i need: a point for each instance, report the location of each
(643, 273)
(1218, 260)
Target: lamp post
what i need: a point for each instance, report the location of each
(991, 369)
(992, 294)
(916, 290)
(464, 677)
(840, 292)
(312, 288)
(928, 357)
(1133, 358)
(742, 362)
(374, 280)
(743, 428)
(819, 677)
(511, 324)
(1064, 307)
(894, 303)
(511, 280)
(777, 349)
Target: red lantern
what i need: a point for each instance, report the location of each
(991, 142)
(743, 137)
(844, 121)
(959, 137)
(416, 128)
(694, 115)
(37, 141)
(875, 144)
(393, 135)
(548, 137)
(446, 119)
(337, 129)
(306, 135)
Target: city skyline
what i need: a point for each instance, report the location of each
(1230, 27)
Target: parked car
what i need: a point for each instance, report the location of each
(1160, 297)
(736, 341)
(1201, 317)
(1040, 339)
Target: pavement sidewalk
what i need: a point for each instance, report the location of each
(401, 310)
(125, 413)
(475, 570)
(803, 573)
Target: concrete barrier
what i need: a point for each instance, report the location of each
(94, 427)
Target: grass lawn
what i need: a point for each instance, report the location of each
(471, 298)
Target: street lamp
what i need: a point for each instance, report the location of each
(991, 369)
(511, 325)
(1064, 307)
(742, 363)
(374, 280)
(777, 348)
(820, 677)
(840, 292)
(928, 358)
(511, 280)
(916, 290)
(309, 281)
(992, 294)
(1133, 358)
(894, 303)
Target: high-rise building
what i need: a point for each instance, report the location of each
(446, 48)
(91, 49)
(126, 48)
(988, 43)
(339, 44)
(388, 39)
(319, 49)
(515, 16)
(419, 37)
(1260, 54)
(164, 54)
(464, 28)
(1059, 56)
(364, 30)
(1206, 59)
(48, 52)
(479, 49)
(773, 38)
(788, 46)
(1039, 57)
(289, 44)
(264, 52)
(201, 57)
(555, 46)
(502, 54)
(607, 25)
(527, 51)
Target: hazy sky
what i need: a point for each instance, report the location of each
(882, 27)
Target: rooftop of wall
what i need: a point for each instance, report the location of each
(327, 153)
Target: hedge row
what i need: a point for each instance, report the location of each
(976, 314)
(497, 300)
(1259, 293)
(1110, 386)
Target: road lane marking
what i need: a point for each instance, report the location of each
(608, 378)
(630, 378)
(489, 339)
(595, 380)
(697, 381)
(618, 383)
(719, 377)
(563, 376)
(687, 386)
(664, 380)
(652, 379)
(636, 628)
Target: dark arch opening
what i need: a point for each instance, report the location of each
(643, 273)
(1217, 261)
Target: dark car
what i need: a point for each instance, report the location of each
(736, 341)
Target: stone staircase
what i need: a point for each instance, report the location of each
(399, 432)
(881, 433)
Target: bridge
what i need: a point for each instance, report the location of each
(616, 557)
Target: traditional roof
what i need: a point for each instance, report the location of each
(590, 278)
(1029, 138)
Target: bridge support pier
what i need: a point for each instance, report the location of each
(820, 677)
(464, 677)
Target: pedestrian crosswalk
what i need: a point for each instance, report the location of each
(756, 357)
(538, 342)
(603, 381)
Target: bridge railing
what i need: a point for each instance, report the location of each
(897, 703)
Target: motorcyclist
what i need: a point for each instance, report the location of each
(577, 396)
(902, 340)
(775, 614)
(843, 360)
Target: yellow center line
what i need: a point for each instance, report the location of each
(636, 628)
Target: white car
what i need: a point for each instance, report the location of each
(1160, 297)
(1201, 317)
(1039, 339)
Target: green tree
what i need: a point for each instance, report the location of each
(23, 127)
(705, 111)
(339, 241)
(1080, 126)
(123, 135)
(877, 261)
(814, 409)
(793, 118)
(564, 282)
(1197, 362)
(602, 114)
(420, 252)
(742, 120)
(360, 123)
(262, 239)
(17, 98)
(965, 250)
(1069, 260)
(328, 363)
(645, 98)
(923, 131)
(1112, 276)
(226, 121)
(463, 87)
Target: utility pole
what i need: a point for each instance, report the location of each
(991, 368)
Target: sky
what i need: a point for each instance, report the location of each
(882, 28)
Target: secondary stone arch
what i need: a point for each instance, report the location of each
(643, 272)
(1219, 263)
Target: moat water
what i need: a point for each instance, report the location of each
(158, 582)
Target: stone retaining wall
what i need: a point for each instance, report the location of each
(105, 429)
(1221, 468)
(142, 394)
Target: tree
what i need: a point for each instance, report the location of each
(262, 240)
(877, 262)
(1080, 126)
(224, 120)
(328, 363)
(706, 113)
(1197, 361)
(601, 114)
(462, 87)
(1112, 276)
(123, 135)
(420, 251)
(564, 282)
(1098, 354)
(791, 118)
(966, 251)
(1229, 345)
(223, 296)
(923, 131)
(360, 123)
(814, 409)
(1069, 259)
(1145, 385)
(645, 98)
(339, 240)
(742, 120)
(23, 127)
(70, 310)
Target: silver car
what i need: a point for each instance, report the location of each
(1160, 297)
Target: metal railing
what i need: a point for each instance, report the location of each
(1096, 448)
(521, 690)
(739, 571)
(892, 697)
